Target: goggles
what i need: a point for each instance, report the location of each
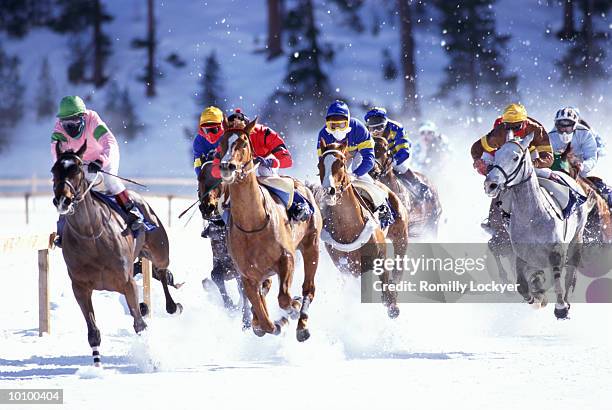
(70, 122)
(214, 129)
(340, 125)
(513, 126)
(377, 127)
(565, 124)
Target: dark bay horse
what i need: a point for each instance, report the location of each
(423, 213)
(98, 249)
(261, 239)
(349, 224)
(210, 192)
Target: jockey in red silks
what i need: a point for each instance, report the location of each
(271, 154)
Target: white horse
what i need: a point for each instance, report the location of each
(540, 238)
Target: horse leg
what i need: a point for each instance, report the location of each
(244, 301)
(131, 296)
(523, 286)
(310, 254)
(171, 306)
(83, 297)
(218, 274)
(291, 308)
(261, 321)
(557, 259)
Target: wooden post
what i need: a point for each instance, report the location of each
(147, 273)
(44, 322)
(27, 208)
(170, 210)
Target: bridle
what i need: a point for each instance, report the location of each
(343, 187)
(78, 196)
(241, 173)
(384, 166)
(509, 177)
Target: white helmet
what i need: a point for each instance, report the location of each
(565, 118)
(428, 126)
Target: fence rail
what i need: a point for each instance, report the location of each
(43, 244)
(31, 186)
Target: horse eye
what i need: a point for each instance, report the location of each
(516, 158)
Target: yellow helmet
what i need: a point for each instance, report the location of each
(211, 115)
(514, 113)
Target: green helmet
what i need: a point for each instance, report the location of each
(70, 106)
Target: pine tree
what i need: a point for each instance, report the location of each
(120, 113)
(476, 53)
(411, 102)
(305, 89)
(275, 28)
(11, 95)
(45, 97)
(389, 67)
(78, 16)
(211, 83)
(584, 61)
(150, 43)
(112, 107)
(17, 17)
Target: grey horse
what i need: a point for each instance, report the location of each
(540, 239)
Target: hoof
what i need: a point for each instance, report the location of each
(144, 309)
(259, 332)
(139, 328)
(393, 311)
(177, 309)
(562, 313)
(279, 325)
(296, 305)
(302, 335)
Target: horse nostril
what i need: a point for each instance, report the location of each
(331, 191)
(493, 186)
(232, 167)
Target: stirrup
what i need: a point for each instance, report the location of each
(300, 212)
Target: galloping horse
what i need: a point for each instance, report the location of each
(349, 224)
(540, 239)
(598, 229)
(98, 249)
(210, 190)
(424, 214)
(261, 239)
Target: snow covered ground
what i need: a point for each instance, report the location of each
(433, 356)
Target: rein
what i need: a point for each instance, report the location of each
(509, 177)
(342, 187)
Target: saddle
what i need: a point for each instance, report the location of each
(112, 203)
(563, 196)
(373, 193)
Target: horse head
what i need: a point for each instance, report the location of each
(236, 152)
(209, 190)
(68, 177)
(512, 166)
(382, 157)
(332, 170)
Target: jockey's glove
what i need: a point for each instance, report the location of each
(94, 166)
(266, 162)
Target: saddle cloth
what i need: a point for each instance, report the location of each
(112, 203)
(282, 187)
(375, 194)
(562, 197)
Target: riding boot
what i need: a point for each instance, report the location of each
(385, 215)
(134, 218)
(300, 209)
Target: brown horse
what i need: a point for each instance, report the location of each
(261, 239)
(424, 214)
(210, 191)
(349, 224)
(598, 228)
(98, 249)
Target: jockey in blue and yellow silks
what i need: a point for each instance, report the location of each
(379, 125)
(340, 127)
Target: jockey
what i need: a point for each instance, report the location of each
(569, 133)
(76, 125)
(271, 154)
(341, 127)
(380, 125)
(208, 137)
(513, 122)
(433, 144)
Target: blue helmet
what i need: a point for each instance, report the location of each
(377, 115)
(338, 108)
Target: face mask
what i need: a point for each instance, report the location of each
(566, 137)
(339, 135)
(73, 127)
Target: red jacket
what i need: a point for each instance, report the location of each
(265, 142)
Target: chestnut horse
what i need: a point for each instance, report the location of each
(98, 249)
(424, 214)
(261, 239)
(598, 229)
(210, 191)
(348, 224)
